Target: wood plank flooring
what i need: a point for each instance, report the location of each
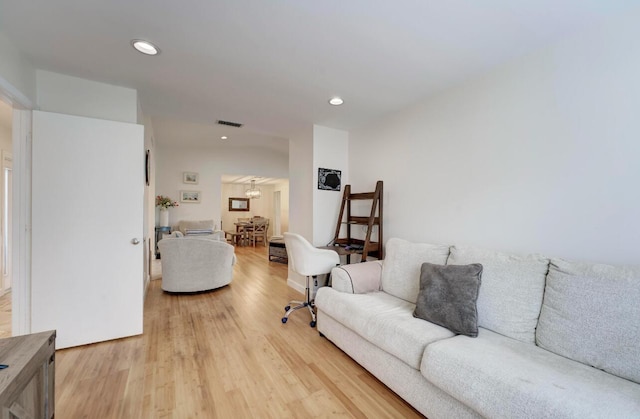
(222, 354)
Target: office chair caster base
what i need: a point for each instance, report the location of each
(313, 323)
(284, 319)
(287, 308)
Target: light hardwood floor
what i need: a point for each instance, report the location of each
(221, 354)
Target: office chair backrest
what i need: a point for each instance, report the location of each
(306, 259)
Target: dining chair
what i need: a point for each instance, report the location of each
(309, 261)
(243, 228)
(259, 231)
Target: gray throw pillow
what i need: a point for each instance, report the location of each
(448, 295)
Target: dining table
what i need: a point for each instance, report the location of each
(243, 228)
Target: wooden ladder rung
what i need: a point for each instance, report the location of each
(362, 195)
(363, 220)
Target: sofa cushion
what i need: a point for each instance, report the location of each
(196, 226)
(402, 263)
(591, 313)
(384, 320)
(511, 293)
(500, 377)
(198, 231)
(448, 295)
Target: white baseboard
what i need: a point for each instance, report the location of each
(295, 285)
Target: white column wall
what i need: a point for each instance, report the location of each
(313, 213)
(300, 194)
(330, 151)
(301, 184)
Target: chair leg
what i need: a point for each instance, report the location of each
(308, 302)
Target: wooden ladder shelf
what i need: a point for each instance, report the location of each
(368, 247)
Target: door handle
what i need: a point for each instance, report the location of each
(135, 241)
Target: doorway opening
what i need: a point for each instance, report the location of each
(273, 203)
(6, 191)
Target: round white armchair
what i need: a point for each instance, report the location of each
(191, 264)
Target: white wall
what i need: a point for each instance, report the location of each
(539, 156)
(330, 151)
(210, 164)
(283, 188)
(74, 96)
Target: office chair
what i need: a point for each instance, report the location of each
(309, 261)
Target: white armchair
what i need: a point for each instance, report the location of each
(191, 264)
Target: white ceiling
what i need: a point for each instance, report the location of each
(272, 65)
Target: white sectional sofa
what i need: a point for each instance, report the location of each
(556, 339)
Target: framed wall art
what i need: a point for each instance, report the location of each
(239, 204)
(192, 197)
(329, 179)
(190, 177)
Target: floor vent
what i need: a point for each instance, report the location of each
(230, 124)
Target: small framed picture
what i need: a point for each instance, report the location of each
(192, 197)
(190, 177)
(329, 179)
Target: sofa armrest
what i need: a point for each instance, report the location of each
(357, 278)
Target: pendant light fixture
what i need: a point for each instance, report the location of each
(253, 192)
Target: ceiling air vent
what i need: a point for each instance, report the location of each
(230, 124)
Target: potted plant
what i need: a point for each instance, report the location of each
(164, 203)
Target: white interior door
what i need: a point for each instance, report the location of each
(87, 213)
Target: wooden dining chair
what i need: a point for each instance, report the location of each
(259, 231)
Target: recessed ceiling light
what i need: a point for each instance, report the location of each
(145, 47)
(336, 101)
(224, 137)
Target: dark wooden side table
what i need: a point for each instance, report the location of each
(159, 232)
